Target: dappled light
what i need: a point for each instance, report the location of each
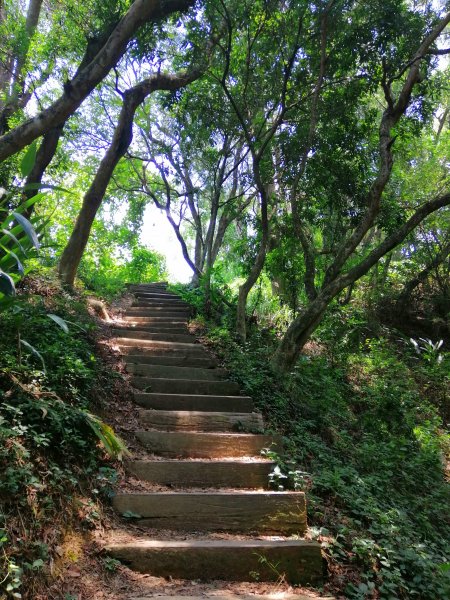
(224, 299)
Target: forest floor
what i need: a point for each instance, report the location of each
(87, 573)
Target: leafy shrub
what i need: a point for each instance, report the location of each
(365, 439)
(46, 392)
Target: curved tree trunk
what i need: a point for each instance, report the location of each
(300, 330)
(86, 79)
(245, 288)
(123, 134)
(407, 291)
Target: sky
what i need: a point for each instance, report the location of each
(157, 233)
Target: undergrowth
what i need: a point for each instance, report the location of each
(361, 416)
(52, 467)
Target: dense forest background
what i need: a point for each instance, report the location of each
(300, 153)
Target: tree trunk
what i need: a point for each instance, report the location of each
(44, 156)
(300, 330)
(77, 90)
(245, 288)
(411, 285)
(121, 141)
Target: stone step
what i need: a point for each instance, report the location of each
(169, 360)
(194, 402)
(158, 296)
(185, 386)
(164, 314)
(190, 420)
(226, 594)
(140, 334)
(203, 473)
(152, 284)
(297, 561)
(166, 303)
(155, 328)
(149, 349)
(180, 347)
(159, 321)
(175, 372)
(262, 512)
(179, 444)
(159, 309)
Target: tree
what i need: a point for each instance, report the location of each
(398, 88)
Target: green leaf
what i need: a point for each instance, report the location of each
(15, 257)
(129, 514)
(28, 160)
(46, 186)
(33, 350)
(7, 286)
(59, 321)
(28, 228)
(110, 440)
(14, 239)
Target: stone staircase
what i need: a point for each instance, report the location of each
(216, 517)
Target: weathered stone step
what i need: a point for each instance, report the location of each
(163, 308)
(277, 513)
(189, 420)
(155, 328)
(169, 360)
(203, 473)
(159, 309)
(226, 594)
(167, 303)
(149, 349)
(194, 402)
(155, 320)
(298, 561)
(164, 314)
(162, 345)
(157, 295)
(207, 445)
(170, 372)
(140, 334)
(185, 386)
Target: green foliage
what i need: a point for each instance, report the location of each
(46, 426)
(17, 238)
(364, 438)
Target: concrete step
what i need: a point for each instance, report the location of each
(149, 349)
(180, 347)
(159, 309)
(190, 420)
(159, 321)
(175, 372)
(185, 386)
(195, 402)
(142, 334)
(179, 444)
(164, 303)
(203, 473)
(156, 295)
(226, 594)
(297, 561)
(262, 512)
(155, 328)
(164, 314)
(168, 360)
